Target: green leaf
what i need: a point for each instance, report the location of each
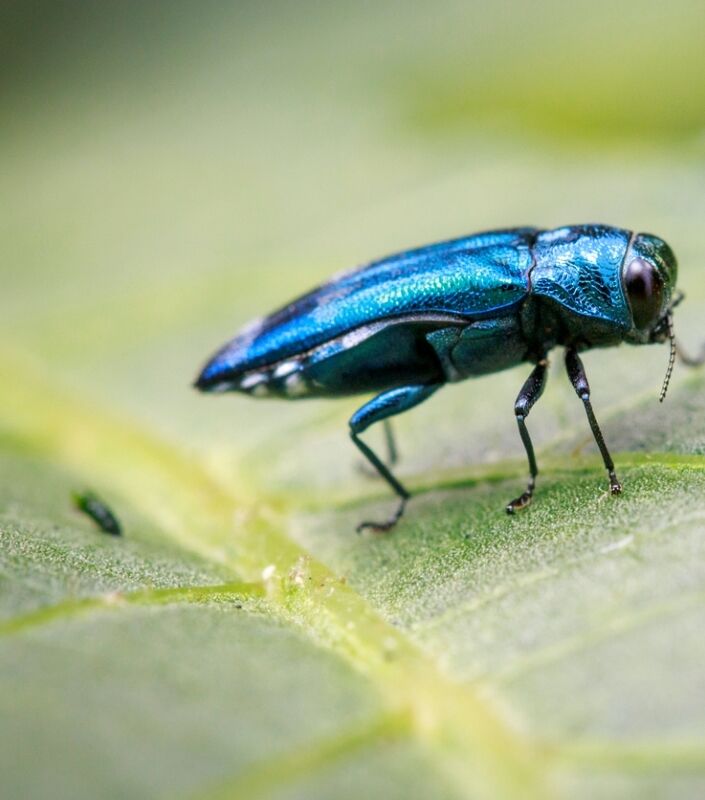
(169, 177)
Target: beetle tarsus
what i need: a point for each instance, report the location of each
(520, 502)
(523, 500)
(615, 485)
(384, 527)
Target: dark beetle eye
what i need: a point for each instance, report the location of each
(645, 291)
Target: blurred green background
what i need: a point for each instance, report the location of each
(170, 170)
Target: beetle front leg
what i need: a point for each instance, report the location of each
(529, 394)
(576, 373)
(380, 408)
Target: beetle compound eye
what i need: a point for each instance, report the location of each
(645, 291)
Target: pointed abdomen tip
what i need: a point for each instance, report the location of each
(210, 379)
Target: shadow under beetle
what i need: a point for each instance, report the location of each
(407, 324)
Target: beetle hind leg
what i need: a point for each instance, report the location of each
(399, 490)
(529, 394)
(392, 452)
(380, 408)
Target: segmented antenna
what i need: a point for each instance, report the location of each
(671, 358)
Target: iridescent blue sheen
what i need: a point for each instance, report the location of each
(580, 268)
(465, 278)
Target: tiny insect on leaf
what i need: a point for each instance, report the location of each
(91, 505)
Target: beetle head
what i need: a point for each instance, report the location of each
(649, 278)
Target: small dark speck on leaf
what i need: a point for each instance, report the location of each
(91, 505)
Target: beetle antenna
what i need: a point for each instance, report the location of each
(671, 357)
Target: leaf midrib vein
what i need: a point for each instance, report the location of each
(202, 510)
(85, 440)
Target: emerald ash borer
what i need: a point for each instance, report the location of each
(405, 325)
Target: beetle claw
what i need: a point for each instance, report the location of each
(520, 502)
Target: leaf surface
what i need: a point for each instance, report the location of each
(240, 640)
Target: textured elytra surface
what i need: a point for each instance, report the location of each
(555, 654)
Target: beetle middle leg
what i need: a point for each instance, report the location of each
(529, 394)
(576, 373)
(380, 408)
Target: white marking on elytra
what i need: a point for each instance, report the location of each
(222, 387)
(358, 335)
(286, 367)
(252, 379)
(295, 385)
